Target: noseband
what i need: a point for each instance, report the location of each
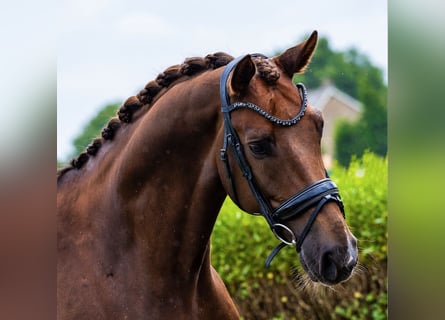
(316, 194)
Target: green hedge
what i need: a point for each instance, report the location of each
(241, 243)
(364, 187)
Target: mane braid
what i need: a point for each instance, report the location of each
(266, 70)
(189, 68)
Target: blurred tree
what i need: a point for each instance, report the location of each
(93, 128)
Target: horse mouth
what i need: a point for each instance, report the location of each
(327, 272)
(308, 270)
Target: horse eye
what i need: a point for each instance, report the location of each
(260, 148)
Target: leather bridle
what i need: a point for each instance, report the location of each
(316, 194)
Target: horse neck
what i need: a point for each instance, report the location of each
(167, 181)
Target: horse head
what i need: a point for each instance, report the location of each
(271, 161)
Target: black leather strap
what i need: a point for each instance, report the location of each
(306, 198)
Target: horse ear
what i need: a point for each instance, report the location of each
(295, 59)
(241, 76)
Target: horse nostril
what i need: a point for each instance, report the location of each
(334, 268)
(329, 268)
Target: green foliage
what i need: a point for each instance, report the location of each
(351, 71)
(346, 141)
(364, 188)
(369, 306)
(241, 243)
(93, 128)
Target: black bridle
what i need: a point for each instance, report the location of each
(317, 194)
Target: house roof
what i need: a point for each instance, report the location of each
(320, 97)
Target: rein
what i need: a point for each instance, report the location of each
(316, 194)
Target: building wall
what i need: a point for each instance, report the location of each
(334, 110)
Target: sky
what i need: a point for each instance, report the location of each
(107, 50)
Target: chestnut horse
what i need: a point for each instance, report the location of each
(136, 210)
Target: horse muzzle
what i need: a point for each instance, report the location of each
(317, 195)
(332, 264)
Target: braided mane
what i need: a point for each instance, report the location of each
(155, 88)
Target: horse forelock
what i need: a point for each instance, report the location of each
(267, 70)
